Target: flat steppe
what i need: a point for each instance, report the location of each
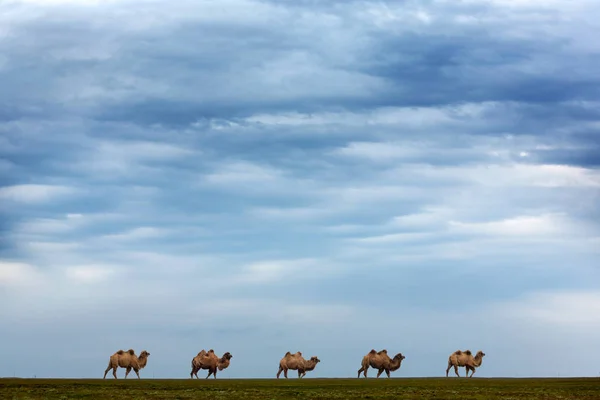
(395, 388)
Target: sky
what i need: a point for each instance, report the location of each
(326, 177)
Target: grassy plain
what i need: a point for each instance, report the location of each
(270, 389)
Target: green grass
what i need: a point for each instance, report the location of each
(270, 389)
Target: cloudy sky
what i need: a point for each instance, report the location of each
(329, 177)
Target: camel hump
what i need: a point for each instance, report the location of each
(120, 352)
(299, 353)
(468, 352)
(384, 351)
(131, 352)
(288, 354)
(458, 352)
(373, 351)
(211, 351)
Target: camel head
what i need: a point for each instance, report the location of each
(315, 359)
(224, 361)
(399, 357)
(480, 354)
(144, 353)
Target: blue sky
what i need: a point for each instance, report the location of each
(260, 177)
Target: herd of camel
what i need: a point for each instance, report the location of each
(208, 360)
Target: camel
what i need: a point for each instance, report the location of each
(380, 361)
(464, 359)
(127, 359)
(210, 361)
(297, 362)
(309, 365)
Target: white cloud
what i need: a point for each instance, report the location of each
(539, 4)
(273, 271)
(139, 233)
(350, 196)
(244, 173)
(571, 310)
(507, 175)
(39, 248)
(395, 238)
(112, 159)
(379, 150)
(35, 193)
(346, 228)
(549, 224)
(292, 213)
(44, 226)
(52, 225)
(430, 217)
(14, 273)
(61, 2)
(88, 273)
(141, 150)
(413, 118)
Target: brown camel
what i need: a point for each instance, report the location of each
(297, 362)
(380, 361)
(464, 359)
(210, 361)
(309, 365)
(128, 360)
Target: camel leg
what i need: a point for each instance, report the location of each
(115, 372)
(387, 371)
(299, 374)
(363, 370)
(472, 371)
(456, 370)
(448, 369)
(106, 371)
(215, 373)
(380, 372)
(137, 372)
(279, 372)
(127, 372)
(209, 373)
(285, 370)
